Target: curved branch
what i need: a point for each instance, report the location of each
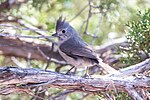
(134, 69)
(29, 50)
(14, 79)
(19, 48)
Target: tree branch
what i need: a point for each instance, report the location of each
(15, 47)
(20, 48)
(13, 79)
(134, 69)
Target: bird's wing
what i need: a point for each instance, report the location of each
(75, 47)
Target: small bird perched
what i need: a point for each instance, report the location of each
(73, 49)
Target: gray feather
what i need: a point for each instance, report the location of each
(76, 47)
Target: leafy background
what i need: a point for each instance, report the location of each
(97, 21)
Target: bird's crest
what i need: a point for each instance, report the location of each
(61, 23)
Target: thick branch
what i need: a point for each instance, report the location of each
(18, 79)
(134, 69)
(20, 48)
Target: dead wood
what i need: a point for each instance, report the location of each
(13, 79)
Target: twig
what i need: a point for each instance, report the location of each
(42, 33)
(31, 29)
(88, 18)
(133, 93)
(79, 12)
(35, 29)
(64, 93)
(23, 36)
(48, 62)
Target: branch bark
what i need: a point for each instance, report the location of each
(13, 79)
(19, 48)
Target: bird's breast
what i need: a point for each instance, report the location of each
(78, 62)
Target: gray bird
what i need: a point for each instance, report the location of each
(72, 48)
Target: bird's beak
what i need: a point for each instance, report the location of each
(55, 34)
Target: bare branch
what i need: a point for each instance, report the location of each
(27, 26)
(13, 79)
(88, 18)
(14, 47)
(138, 68)
(24, 36)
(19, 48)
(134, 93)
(79, 12)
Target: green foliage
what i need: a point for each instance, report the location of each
(115, 95)
(138, 35)
(122, 96)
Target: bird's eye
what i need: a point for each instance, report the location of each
(63, 31)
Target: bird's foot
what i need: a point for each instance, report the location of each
(86, 75)
(69, 71)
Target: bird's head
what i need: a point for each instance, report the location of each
(64, 30)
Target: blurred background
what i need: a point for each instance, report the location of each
(99, 22)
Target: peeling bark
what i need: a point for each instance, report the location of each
(13, 79)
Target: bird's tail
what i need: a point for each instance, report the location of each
(106, 67)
